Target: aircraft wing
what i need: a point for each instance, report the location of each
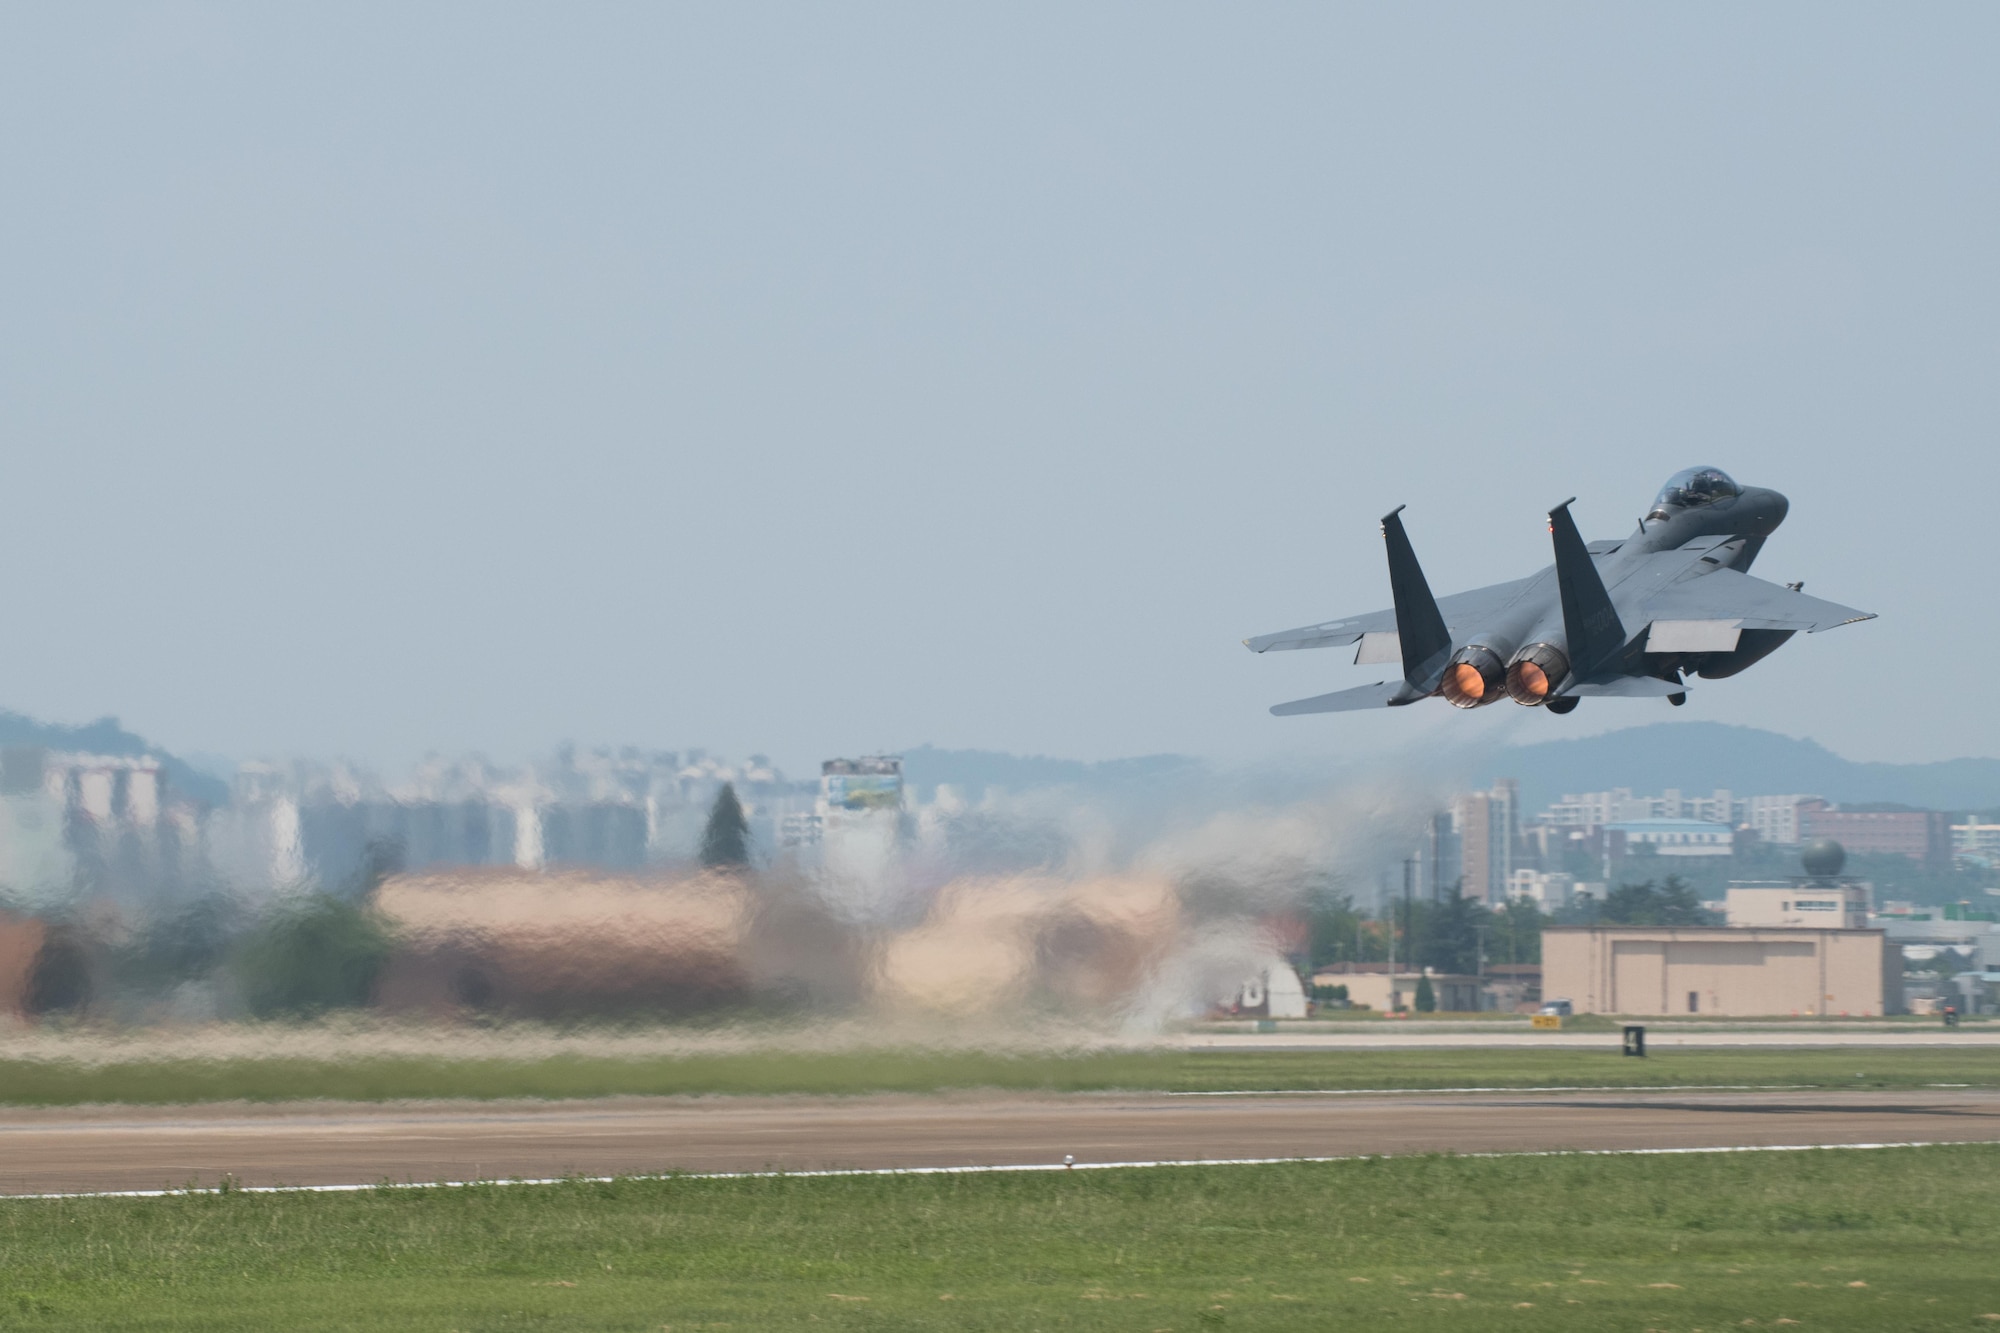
(1752, 603)
(1462, 613)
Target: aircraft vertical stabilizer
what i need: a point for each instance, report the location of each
(1425, 640)
(1590, 622)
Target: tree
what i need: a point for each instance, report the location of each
(1447, 934)
(319, 953)
(1517, 932)
(725, 844)
(1670, 903)
(1339, 934)
(1427, 1000)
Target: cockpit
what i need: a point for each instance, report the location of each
(1693, 487)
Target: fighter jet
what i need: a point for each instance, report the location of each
(1627, 618)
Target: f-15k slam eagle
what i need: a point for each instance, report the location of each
(1626, 618)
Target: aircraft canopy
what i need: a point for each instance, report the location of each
(1696, 486)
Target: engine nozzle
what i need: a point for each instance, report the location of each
(1535, 672)
(1475, 677)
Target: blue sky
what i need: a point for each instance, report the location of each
(814, 379)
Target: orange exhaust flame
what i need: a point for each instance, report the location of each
(1535, 673)
(1463, 685)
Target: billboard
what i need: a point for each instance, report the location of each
(862, 791)
(874, 782)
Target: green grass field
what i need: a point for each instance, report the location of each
(1887, 1239)
(57, 1082)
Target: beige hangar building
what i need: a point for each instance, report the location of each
(1732, 970)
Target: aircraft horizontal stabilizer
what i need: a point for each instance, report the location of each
(1379, 695)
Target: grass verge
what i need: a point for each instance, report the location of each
(58, 1083)
(1898, 1238)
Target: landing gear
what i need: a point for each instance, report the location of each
(1565, 704)
(1678, 699)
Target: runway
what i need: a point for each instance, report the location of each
(126, 1148)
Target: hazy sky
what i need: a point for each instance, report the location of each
(816, 379)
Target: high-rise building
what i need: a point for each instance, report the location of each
(1435, 864)
(1775, 819)
(1485, 825)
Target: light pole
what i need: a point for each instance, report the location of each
(1409, 915)
(1479, 932)
(1395, 997)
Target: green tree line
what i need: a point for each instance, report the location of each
(1449, 934)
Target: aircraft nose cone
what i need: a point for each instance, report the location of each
(1770, 508)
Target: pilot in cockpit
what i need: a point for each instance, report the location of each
(1692, 487)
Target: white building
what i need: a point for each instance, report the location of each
(1799, 903)
(1775, 819)
(1677, 837)
(1272, 992)
(100, 824)
(1973, 840)
(799, 829)
(1718, 807)
(1595, 809)
(1551, 890)
(1960, 927)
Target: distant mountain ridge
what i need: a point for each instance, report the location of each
(972, 772)
(1701, 756)
(1695, 757)
(106, 736)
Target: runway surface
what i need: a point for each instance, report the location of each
(126, 1148)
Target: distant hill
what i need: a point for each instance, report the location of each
(1696, 757)
(1701, 756)
(974, 771)
(105, 736)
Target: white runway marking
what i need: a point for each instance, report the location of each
(1581, 1087)
(971, 1170)
(1656, 1039)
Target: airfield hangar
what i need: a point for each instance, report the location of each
(1734, 971)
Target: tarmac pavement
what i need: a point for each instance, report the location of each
(110, 1148)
